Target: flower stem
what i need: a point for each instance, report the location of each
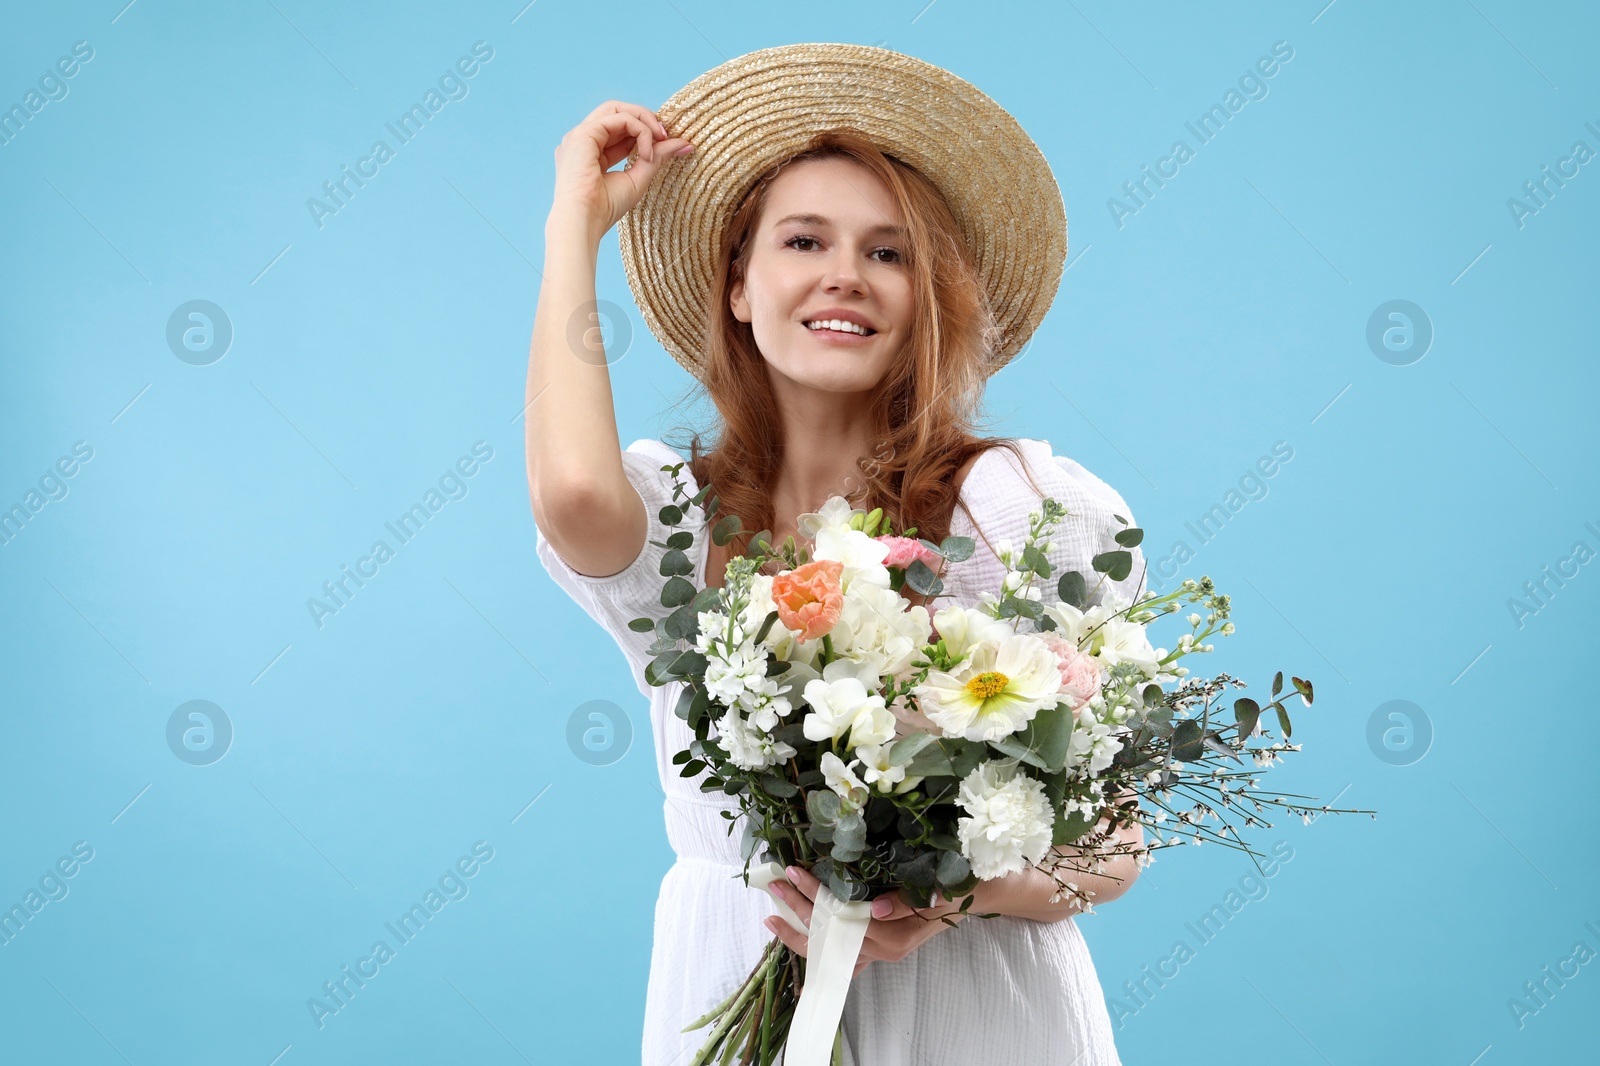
(733, 1010)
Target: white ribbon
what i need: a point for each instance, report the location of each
(837, 929)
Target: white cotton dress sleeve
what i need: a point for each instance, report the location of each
(991, 990)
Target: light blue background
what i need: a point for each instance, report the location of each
(1229, 313)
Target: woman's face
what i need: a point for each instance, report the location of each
(827, 246)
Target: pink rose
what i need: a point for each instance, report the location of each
(1080, 673)
(808, 598)
(903, 551)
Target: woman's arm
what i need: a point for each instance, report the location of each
(1026, 894)
(582, 499)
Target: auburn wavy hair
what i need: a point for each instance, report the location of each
(926, 405)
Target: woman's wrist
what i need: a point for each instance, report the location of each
(1024, 894)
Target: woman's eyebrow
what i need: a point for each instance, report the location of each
(819, 220)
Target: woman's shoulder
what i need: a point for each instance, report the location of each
(1004, 492)
(644, 459)
(998, 478)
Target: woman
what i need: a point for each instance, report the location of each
(845, 335)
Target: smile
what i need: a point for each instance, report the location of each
(838, 326)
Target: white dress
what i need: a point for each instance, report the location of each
(988, 990)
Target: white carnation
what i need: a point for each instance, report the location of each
(1009, 823)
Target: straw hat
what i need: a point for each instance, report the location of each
(758, 109)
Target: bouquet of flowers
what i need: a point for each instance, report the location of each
(884, 748)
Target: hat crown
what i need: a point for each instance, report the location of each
(756, 110)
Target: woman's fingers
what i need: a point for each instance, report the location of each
(619, 133)
(797, 900)
(636, 110)
(780, 928)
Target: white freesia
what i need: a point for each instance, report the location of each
(876, 769)
(996, 691)
(850, 788)
(1121, 641)
(1009, 822)
(836, 513)
(844, 706)
(962, 627)
(1077, 626)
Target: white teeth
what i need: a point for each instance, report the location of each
(837, 325)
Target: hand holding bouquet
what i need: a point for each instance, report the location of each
(886, 749)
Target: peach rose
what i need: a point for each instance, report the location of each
(903, 551)
(808, 598)
(1080, 673)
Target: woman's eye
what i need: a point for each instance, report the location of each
(794, 242)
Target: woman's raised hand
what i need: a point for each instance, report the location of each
(588, 193)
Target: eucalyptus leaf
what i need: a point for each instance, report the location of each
(922, 579)
(675, 562)
(930, 760)
(690, 662)
(903, 749)
(1186, 741)
(1072, 591)
(677, 592)
(1069, 830)
(778, 787)
(1114, 564)
(683, 624)
(1014, 747)
(822, 805)
(952, 868)
(956, 549)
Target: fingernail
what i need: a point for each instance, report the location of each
(793, 873)
(685, 150)
(881, 908)
(776, 889)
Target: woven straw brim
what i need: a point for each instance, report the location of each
(756, 110)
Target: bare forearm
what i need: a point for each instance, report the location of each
(570, 423)
(1026, 894)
